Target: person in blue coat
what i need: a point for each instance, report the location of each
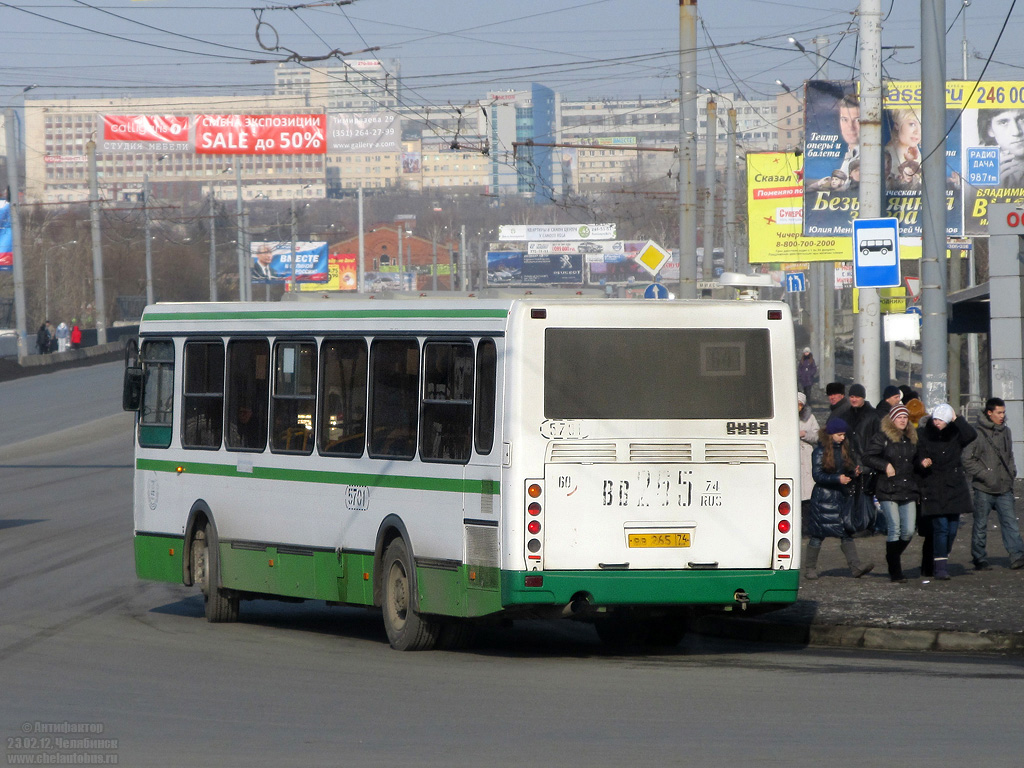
(835, 468)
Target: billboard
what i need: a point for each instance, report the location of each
(832, 159)
(261, 134)
(525, 232)
(341, 274)
(776, 215)
(363, 132)
(6, 241)
(272, 262)
(145, 133)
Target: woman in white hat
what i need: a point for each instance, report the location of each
(944, 489)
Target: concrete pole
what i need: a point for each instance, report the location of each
(867, 340)
(401, 273)
(291, 272)
(213, 245)
(822, 273)
(361, 266)
(244, 273)
(687, 149)
(933, 197)
(149, 240)
(13, 151)
(973, 359)
(433, 271)
(99, 297)
(463, 273)
(710, 162)
(730, 193)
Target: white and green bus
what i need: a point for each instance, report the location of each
(452, 461)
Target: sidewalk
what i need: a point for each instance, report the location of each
(977, 611)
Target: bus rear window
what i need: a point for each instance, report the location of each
(661, 373)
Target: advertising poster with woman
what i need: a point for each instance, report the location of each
(832, 158)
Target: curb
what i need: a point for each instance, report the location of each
(867, 638)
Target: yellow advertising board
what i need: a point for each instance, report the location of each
(341, 269)
(776, 214)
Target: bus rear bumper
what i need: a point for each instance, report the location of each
(637, 588)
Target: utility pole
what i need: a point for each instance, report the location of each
(867, 340)
(463, 270)
(687, 149)
(291, 272)
(401, 273)
(97, 248)
(213, 245)
(361, 267)
(149, 242)
(244, 272)
(710, 157)
(824, 272)
(973, 361)
(14, 205)
(933, 198)
(730, 192)
(433, 270)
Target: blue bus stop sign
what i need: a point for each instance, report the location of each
(656, 291)
(876, 255)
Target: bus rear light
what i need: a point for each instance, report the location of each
(784, 508)
(784, 545)
(534, 581)
(534, 508)
(784, 526)
(774, 314)
(533, 527)
(534, 491)
(533, 545)
(538, 314)
(785, 490)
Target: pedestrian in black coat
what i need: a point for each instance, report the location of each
(945, 493)
(835, 468)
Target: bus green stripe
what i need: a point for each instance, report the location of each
(337, 314)
(405, 482)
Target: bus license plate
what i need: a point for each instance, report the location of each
(659, 539)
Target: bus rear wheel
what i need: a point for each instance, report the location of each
(407, 630)
(219, 607)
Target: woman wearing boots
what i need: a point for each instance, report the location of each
(943, 480)
(835, 468)
(891, 452)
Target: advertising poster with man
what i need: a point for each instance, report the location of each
(832, 158)
(272, 262)
(993, 148)
(6, 241)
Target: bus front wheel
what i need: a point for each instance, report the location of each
(205, 573)
(407, 629)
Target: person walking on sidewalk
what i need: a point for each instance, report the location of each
(891, 454)
(835, 468)
(806, 373)
(989, 461)
(808, 439)
(945, 494)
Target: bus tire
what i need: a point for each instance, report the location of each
(219, 606)
(407, 630)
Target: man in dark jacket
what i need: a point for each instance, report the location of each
(891, 397)
(989, 461)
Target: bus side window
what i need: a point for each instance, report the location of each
(394, 365)
(343, 397)
(446, 414)
(203, 397)
(486, 391)
(247, 394)
(293, 404)
(157, 413)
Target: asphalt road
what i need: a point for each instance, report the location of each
(86, 646)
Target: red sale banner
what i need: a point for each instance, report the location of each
(261, 134)
(144, 128)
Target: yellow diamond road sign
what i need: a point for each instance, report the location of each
(652, 257)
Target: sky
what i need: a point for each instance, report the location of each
(459, 50)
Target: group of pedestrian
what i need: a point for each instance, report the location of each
(896, 469)
(49, 339)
